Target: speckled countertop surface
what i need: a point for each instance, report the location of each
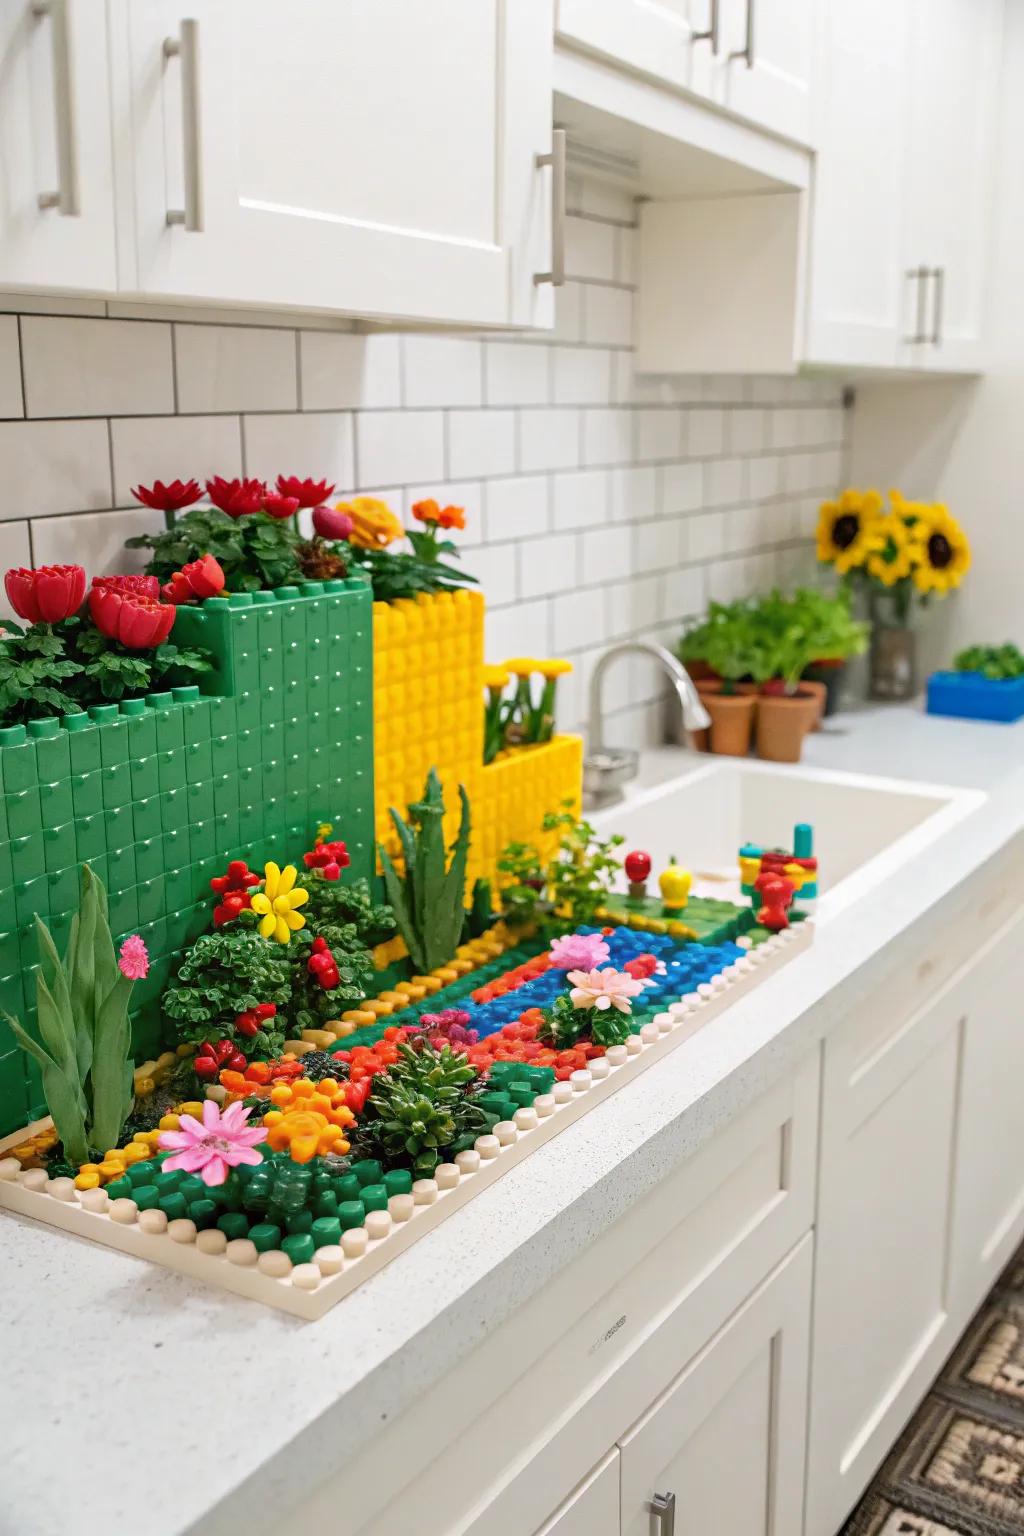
(114, 1374)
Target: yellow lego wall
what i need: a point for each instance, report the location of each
(428, 710)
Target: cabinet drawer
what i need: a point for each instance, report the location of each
(592, 1509)
(504, 1437)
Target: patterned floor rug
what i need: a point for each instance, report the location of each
(958, 1469)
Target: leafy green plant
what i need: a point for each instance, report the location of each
(36, 675)
(480, 914)
(420, 1107)
(255, 551)
(428, 899)
(331, 902)
(997, 662)
(312, 1004)
(582, 873)
(395, 575)
(82, 1005)
(522, 894)
(226, 973)
(775, 637)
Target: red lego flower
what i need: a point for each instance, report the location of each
(280, 506)
(234, 890)
(214, 1056)
(168, 498)
(329, 858)
(641, 966)
(252, 1020)
(236, 497)
(329, 523)
(139, 586)
(125, 614)
(46, 595)
(198, 579)
(323, 966)
(308, 493)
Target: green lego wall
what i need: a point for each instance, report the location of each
(159, 794)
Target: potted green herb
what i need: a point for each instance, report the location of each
(732, 648)
(838, 636)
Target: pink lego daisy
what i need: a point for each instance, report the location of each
(212, 1147)
(578, 952)
(604, 989)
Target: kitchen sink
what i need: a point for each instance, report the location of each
(865, 827)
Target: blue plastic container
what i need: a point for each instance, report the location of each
(972, 696)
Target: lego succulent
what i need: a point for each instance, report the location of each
(420, 1107)
(82, 1002)
(428, 898)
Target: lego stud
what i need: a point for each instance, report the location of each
(274, 1263)
(153, 1222)
(424, 1191)
(355, 1242)
(124, 1211)
(306, 1276)
(329, 1261)
(241, 1251)
(181, 1230)
(447, 1175)
(212, 1240)
(9, 1169)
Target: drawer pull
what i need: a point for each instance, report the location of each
(663, 1508)
(65, 199)
(186, 48)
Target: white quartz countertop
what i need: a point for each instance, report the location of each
(135, 1400)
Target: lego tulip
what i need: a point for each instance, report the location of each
(126, 615)
(198, 579)
(236, 497)
(329, 523)
(674, 884)
(45, 595)
(307, 492)
(280, 507)
(172, 497)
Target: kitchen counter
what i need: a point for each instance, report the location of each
(123, 1383)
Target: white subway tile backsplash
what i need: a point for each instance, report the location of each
(705, 433)
(659, 434)
(481, 442)
(548, 439)
(515, 374)
(577, 618)
(608, 436)
(607, 316)
(705, 535)
(634, 605)
(724, 482)
(521, 630)
(682, 487)
(581, 375)
(590, 249)
(10, 368)
(494, 566)
(318, 443)
(608, 553)
(442, 370)
(684, 593)
(632, 493)
(341, 372)
(97, 539)
(96, 367)
(54, 466)
(625, 255)
(398, 446)
(173, 447)
(14, 550)
(579, 498)
(467, 494)
(747, 431)
(764, 477)
(235, 368)
(568, 313)
(516, 509)
(548, 565)
(656, 546)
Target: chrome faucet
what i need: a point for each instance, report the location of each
(607, 769)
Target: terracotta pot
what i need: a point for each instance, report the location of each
(783, 720)
(700, 671)
(712, 685)
(820, 692)
(833, 675)
(732, 721)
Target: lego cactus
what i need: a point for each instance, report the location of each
(83, 1021)
(428, 900)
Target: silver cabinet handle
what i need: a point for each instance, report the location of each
(711, 35)
(919, 275)
(663, 1508)
(66, 198)
(186, 47)
(939, 274)
(556, 160)
(747, 51)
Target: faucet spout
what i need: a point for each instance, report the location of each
(606, 770)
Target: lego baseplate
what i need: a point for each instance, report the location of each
(309, 1290)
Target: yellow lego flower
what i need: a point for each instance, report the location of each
(553, 668)
(277, 901)
(496, 677)
(521, 666)
(374, 525)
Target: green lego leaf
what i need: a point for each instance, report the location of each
(111, 1085)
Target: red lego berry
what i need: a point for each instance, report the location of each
(637, 866)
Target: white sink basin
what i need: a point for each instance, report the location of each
(864, 827)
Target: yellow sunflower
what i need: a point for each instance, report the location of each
(844, 529)
(891, 553)
(940, 549)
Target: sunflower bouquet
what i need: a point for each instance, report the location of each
(908, 550)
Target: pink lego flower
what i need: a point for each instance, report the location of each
(211, 1148)
(578, 952)
(603, 990)
(133, 959)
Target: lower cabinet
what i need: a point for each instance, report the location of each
(722, 1449)
(593, 1508)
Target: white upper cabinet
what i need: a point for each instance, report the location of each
(953, 96)
(56, 176)
(371, 156)
(753, 58)
(901, 222)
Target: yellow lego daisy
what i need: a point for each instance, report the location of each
(277, 901)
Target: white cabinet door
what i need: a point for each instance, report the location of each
(767, 62)
(668, 39)
(375, 156)
(856, 271)
(954, 100)
(55, 143)
(988, 1210)
(593, 1509)
(726, 1440)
